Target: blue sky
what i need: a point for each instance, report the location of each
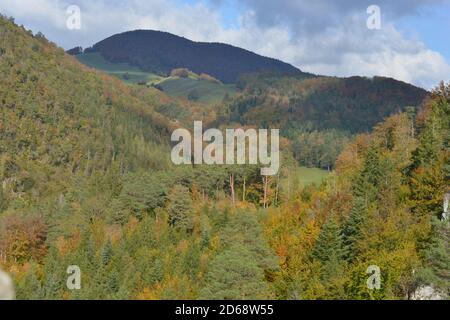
(322, 36)
(431, 25)
(230, 11)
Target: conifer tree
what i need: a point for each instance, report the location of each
(329, 253)
(107, 253)
(30, 287)
(436, 270)
(329, 246)
(180, 208)
(54, 276)
(352, 227)
(234, 274)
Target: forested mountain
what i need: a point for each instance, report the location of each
(302, 97)
(161, 52)
(60, 120)
(85, 169)
(354, 104)
(86, 181)
(318, 114)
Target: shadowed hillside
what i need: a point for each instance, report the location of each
(161, 52)
(354, 104)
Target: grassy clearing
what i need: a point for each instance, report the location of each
(123, 71)
(197, 89)
(310, 175)
(302, 177)
(192, 87)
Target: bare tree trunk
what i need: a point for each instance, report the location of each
(86, 171)
(243, 191)
(265, 183)
(277, 189)
(232, 189)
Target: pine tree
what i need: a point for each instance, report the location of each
(352, 227)
(180, 208)
(437, 259)
(107, 253)
(235, 275)
(30, 288)
(54, 276)
(329, 253)
(429, 172)
(328, 249)
(372, 169)
(365, 190)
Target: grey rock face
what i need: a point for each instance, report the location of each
(7, 291)
(427, 293)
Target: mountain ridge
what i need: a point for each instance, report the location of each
(223, 61)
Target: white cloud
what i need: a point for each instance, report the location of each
(337, 43)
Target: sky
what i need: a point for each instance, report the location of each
(329, 37)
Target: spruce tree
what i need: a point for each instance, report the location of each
(107, 253)
(328, 249)
(365, 190)
(372, 169)
(352, 228)
(235, 275)
(180, 208)
(437, 259)
(30, 287)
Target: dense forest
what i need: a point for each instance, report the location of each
(87, 181)
(317, 114)
(354, 104)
